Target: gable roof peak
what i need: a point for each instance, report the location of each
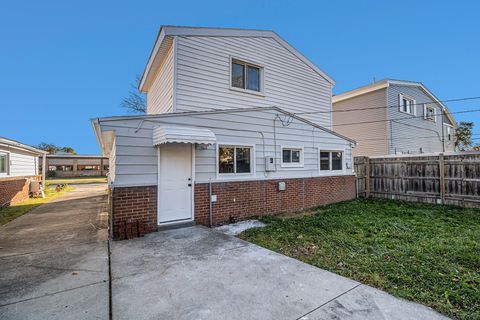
(167, 32)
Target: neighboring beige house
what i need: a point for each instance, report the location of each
(76, 165)
(394, 117)
(19, 166)
(220, 141)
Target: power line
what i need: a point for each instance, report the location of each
(400, 138)
(391, 106)
(405, 118)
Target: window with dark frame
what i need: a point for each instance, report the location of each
(87, 167)
(407, 105)
(3, 163)
(331, 160)
(234, 159)
(429, 113)
(246, 76)
(291, 156)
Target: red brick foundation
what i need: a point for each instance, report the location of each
(243, 199)
(134, 209)
(15, 189)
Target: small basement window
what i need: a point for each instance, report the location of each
(3, 163)
(234, 159)
(407, 105)
(429, 113)
(292, 157)
(331, 160)
(246, 76)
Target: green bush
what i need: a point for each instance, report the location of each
(61, 187)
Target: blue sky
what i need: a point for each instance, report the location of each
(65, 62)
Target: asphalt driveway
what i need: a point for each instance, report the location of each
(199, 273)
(54, 259)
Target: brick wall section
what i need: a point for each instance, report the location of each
(237, 200)
(15, 189)
(133, 203)
(243, 199)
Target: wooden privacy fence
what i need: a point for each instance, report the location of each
(450, 178)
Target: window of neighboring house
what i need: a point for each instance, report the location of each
(331, 160)
(292, 157)
(105, 167)
(429, 113)
(246, 76)
(3, 163)
(87, 167)
(407, 105)
(60, 168)
(449, 134)
(234, 159)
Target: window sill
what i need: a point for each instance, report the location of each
(332, 172)
(235, 176)
(289, 165)
(255, 93)
(412, 114)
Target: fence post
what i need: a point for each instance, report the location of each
(441, 163)
(367, 177)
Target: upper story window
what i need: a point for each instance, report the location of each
(292, 157)
(234, 159)
(246, 76)
(331, 160)
(407, 104)
(3, 163)
(449, 133)
(429, 113)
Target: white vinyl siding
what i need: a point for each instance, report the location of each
(160, 95)
(203, 77)
(20, 163)
(136, 158)
(414, 134)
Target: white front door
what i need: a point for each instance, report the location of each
(175, 183)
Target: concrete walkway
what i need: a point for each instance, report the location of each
(198, 273)
(54, 260)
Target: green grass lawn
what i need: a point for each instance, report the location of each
(76, 180)
(424, 253)
(14, 211)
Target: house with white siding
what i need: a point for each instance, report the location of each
(394, 117)
(222, 139)
(19, 166)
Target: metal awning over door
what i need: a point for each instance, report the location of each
(182, 134)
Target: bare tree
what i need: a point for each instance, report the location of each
(135, 101)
